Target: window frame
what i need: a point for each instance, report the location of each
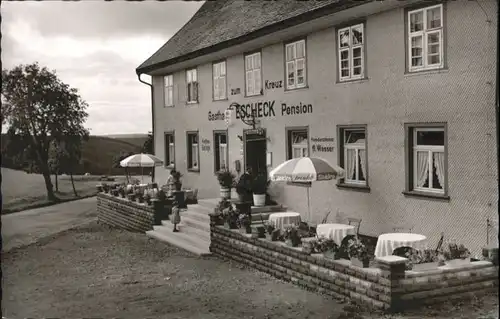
(410, 153)
(165, 89)
(189, 156)
(289, 131)
(168, 157)
(341, 158)
(350, 48)
(216, 134)
(424, 35)
(220, 76)
(245, 56)
(305, 75)
(196, 83)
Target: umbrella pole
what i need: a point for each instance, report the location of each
(142, 174)
(308, 207)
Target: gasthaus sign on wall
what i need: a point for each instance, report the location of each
(264, 109)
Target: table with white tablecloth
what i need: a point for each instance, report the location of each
(386, 243)
(337, 232)
(284, 219)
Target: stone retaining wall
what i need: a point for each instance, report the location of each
(386, 287)
(125, 214)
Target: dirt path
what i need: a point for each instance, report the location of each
(97, 272)
(28, 226)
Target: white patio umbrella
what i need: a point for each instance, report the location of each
(306, 169)
(141, 160)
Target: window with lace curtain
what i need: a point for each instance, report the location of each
(428, 159)
(297, 143)
(353, 155)
(169, 149)
(193, 151)
(220, 151)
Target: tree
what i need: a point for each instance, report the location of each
(42, 109)
(55, 156)
(147, 147)
(120, 157)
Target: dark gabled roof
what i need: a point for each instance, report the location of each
(222, 23)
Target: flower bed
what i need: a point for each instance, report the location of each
(387, 287)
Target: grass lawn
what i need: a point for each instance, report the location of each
(23, 191)
(100, 272)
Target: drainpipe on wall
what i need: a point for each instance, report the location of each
(152, 117)
(497, 107)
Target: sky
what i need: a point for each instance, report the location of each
(95, 46)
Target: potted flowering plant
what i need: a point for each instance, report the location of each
(327, 247)
(139, 196)
(358, 253)
(226, 180)
(259, 189)
(105, 188)
(230, 217)
(246, 223)
(456, 255)
(291, 236)
(147, 198)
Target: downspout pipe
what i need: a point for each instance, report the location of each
(152, 118)
(497, 107)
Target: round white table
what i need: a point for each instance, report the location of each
(388, 242)
(337, 232)
(281, 220)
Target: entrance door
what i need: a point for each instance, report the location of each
(255, 153)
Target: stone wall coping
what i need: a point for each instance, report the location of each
(474, 265)
(391, 260)
(124, 200)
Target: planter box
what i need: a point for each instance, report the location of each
(425, 266)
(358, 263)
(333, 256)
(457, 262)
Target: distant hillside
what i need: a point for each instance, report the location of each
(135, 139)
(98, 154)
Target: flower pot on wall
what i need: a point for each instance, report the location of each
(259, 200)
(225, 193)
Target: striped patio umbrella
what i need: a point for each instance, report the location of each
(306, 169)
(141, 160)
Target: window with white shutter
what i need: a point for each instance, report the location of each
(192, 86)
(219, 81)
(253, 71)
(425, 38)
(295, 54)
(169, 90)
(351, 52)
